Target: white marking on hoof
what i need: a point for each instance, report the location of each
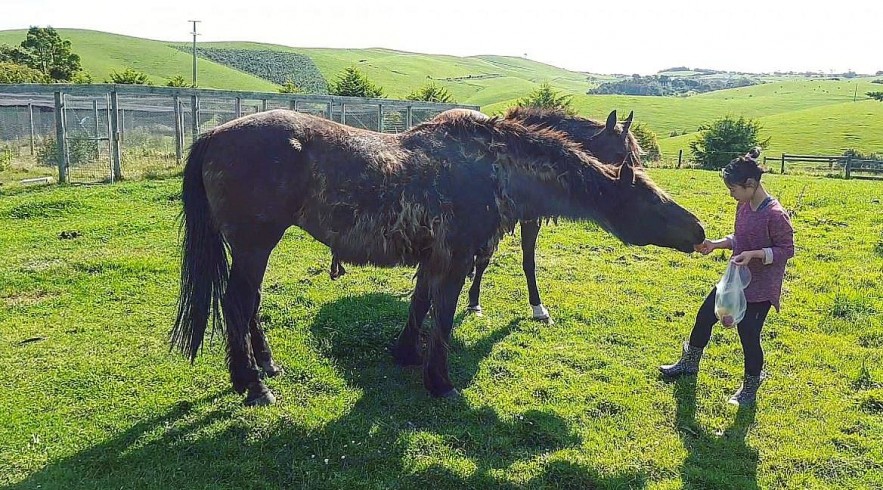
(476, 310)
(540, 313)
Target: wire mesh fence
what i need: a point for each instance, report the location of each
(103, 133)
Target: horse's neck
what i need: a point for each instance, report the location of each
(543, 195)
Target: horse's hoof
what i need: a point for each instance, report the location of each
(272, 369)
(263, 399)
(405, 359)
(475, 310)
(452, 394)
(541, 314)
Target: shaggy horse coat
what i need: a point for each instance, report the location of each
(432, 197)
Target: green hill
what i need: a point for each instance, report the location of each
(802, 115)
(101, 53)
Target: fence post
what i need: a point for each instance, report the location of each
(680, 157)
(237, 107)
(95, 116)
(293, 105)
(330, 109)
(110, 143)
(179, 130)
(194, 117)
(343, 113)
(115, 137)
(848, 166)
(408, 119)
(783, 164)
(60, 138)
(379, 118)
(263, 105)
(31, 120)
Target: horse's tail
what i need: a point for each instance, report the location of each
(204, 269)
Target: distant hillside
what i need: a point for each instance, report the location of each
(806, 114)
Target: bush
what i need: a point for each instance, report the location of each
(545, 97)
(16, 73)
(431, 93)
(353, 83)
(647, 139)
(177, 81)
(725, 139)
(129, 77)
(5, 158)
(79, 151)
(289, 87)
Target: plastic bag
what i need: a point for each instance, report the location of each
(729, 301)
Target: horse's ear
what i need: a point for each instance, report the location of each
(626, 174)
(628, 123)
(611, 121)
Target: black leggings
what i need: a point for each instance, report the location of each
(749, 330)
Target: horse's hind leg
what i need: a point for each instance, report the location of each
(530, 230)
(239, 304)
(259, 345)
(406, 349)
(436, 373)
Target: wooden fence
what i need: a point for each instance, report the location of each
(848, 164)
(111, 111)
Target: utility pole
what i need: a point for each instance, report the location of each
(194, 49)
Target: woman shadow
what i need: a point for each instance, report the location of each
(714, 460)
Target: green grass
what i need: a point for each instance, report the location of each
(92, 398)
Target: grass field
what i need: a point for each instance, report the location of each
(92, 398)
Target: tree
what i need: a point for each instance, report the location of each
(15, 73)
(353, 83)
(10, 54)
(647, 139)
(876, 96)
(289, 87)
(725, 139)
(82, 77)
(431, 93)
(545, 97)
(49, 53)
(129, 77)
(177, 81)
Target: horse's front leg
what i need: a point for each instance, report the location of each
(406, 349)
(482, 259)
(530, 230)
(445, 291)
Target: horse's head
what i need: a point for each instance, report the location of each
(609, 142)
(613, 143)
(644, 214)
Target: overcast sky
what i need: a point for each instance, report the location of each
(613, 36)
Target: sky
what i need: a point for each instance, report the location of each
(614, 36)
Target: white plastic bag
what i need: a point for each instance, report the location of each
(729, 301)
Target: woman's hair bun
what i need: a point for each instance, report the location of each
(754, 153)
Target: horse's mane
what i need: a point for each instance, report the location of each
(556, 118)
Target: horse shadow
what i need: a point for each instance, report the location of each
(714, 460)
(392, 435)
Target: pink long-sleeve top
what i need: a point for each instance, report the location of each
(769, 229)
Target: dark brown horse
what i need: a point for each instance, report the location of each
(432, 197)
(609, 142)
